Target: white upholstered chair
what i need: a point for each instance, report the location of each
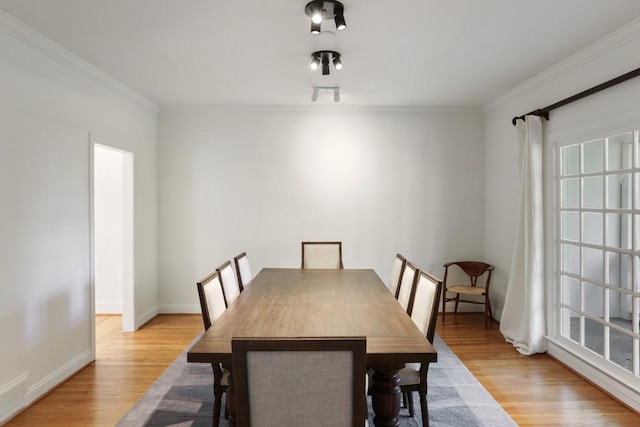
(213, 305)
(306, 382)
(397, 268)
(326, 255)
(243, 270)
(229, 282)
(423, 308)
(406, 285)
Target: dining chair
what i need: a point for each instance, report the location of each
(409, 275)
(425, 297)
(326, 255)
(229, 282)
(243, 270)
(212, 305)
(474, 270)
(397, 268)
(306, 382)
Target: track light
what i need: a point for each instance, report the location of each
(318, 89)
(315, 28)
(322, 10)
(341, 24)
(322, 57)
(325, 64)
(315, 60)
(336, 61)
(316, 16)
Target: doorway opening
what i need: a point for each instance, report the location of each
(113, 233)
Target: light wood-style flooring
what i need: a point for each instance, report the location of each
(534, 390)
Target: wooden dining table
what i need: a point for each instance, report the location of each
(296, 303)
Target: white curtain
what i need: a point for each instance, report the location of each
(523, 318)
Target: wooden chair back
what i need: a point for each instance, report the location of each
(327, 255)
(473, 269)
(229, 282)
(425, 299)
(397, 268)
(306, 382)
(211, 297)
(409, 276)
(243, 270)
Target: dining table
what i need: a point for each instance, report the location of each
(299, 303)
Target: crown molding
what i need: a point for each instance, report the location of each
(39, 42)
(318, 109)
(607, 44)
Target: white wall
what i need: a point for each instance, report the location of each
(610, 57)
(108, 172)
(262, 180)
(49, 103)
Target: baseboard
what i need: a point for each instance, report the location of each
(146, 316)
(179, 309)
(108, 307)
(606, 381)
(57, 377)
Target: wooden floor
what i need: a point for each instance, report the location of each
(534, 390)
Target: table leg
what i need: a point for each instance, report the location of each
(385, 395)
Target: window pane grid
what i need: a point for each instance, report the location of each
(598, 217)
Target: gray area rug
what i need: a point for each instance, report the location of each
(183, 396)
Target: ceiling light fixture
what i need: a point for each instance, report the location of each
(322, 10)
(318, 89)
(323, 57)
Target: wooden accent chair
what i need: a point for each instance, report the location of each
(473, 269)
(243, 270)
(306, 382)
(397, 268)
(409, 277)
(229, 282)
(326, 255)
(425, 297)
(213, 305)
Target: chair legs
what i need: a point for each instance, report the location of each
(410, 403)
(423, 407)
(217, 401)
(488, 314)
(218, 390)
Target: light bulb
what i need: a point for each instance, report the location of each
(336, 61)
(316, 18)
(315, 62)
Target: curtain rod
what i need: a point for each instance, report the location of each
(544, 112)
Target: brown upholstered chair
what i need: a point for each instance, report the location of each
(474, 270)
(397, 268)
(229, 282)
(423, 308)
(306, 382)
(409, 277)
(243, 270)
(213, 305)
(322, 255)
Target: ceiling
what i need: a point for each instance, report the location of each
(256, 52)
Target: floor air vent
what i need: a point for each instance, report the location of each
(12, 397)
